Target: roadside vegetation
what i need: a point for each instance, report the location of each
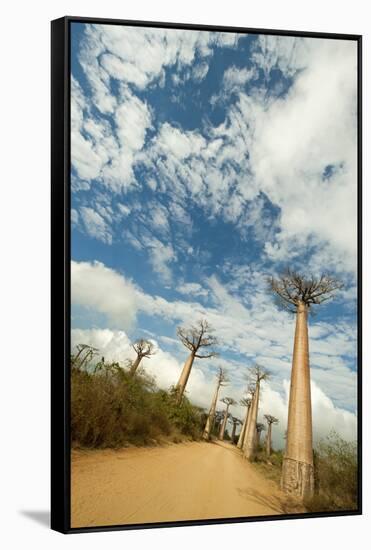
(335, 474)
(111, 407)
(335, 465)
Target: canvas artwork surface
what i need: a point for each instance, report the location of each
(213, 370)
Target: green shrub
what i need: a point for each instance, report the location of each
(111, 408)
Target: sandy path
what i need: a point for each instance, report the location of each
(178, 482)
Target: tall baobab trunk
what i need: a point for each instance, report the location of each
(247, 424)
(182, 382)
(297, 469)
(268, 443)
(258, 439)
(223, 425)
(249, 447)
(211, 417)
(243, 429)
(233, 432)
(135, 364)
(217, 424)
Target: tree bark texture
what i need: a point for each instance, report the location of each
(269, 440)
(249, 448)
(182, 382)
(223, 425)
(211, 416)
(297, 470)
(135, 365)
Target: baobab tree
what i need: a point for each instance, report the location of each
(258, 373)
(259, 429)
(195, 339)
(219, 415)
(299, 294)
(143, 348)
(221, 381)
(228, 401)
(235, 422)
(245, 402)
(268, 443)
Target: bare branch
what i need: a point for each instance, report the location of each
(245, 401)
(292, 288)
(143, 348)
(258, 373)
(197, 337)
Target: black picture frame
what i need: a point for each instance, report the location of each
(60, 271)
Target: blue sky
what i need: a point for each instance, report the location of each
(201, 163)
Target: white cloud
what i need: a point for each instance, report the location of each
(95, 225)
(279, 148)
(74, 216)
(200, 71)
(101, 289)
(138, 56)
(326, 416)
(133, 119)
(193, 289)
(272, 145)
(287, 53)
(160, 256)
(235, 78)
(174, 141)
(295, 138)
(87, 154)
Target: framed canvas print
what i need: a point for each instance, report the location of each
(206, 274)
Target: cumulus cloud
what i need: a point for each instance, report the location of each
(295, 139)
(96, 287)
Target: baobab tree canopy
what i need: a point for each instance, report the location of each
(143, 348)
(291, 289)
(228, 401)
(271, 419)
(257, 373)
(197, 337)
(245, 401)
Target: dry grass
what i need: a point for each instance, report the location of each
(336, 475)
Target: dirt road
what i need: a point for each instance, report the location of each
(178, 482)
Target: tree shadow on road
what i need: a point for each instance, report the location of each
(278, 504)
